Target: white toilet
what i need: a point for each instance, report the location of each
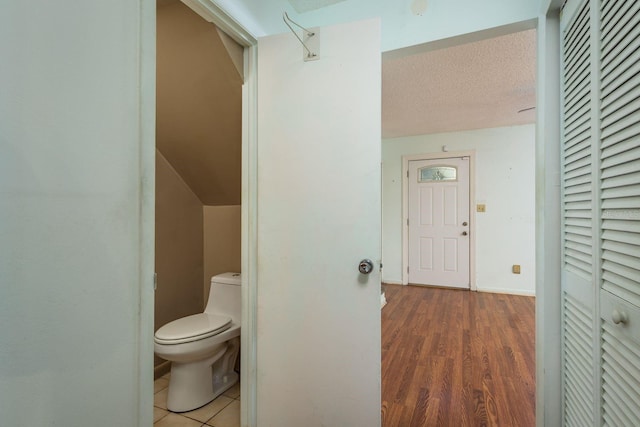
(203, 348)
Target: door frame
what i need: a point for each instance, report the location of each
(210, 12)
(405, 208)
(548, 367)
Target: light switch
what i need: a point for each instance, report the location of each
(515, 269)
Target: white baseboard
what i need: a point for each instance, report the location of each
(391, 282)
(383, 300)
(508, 291)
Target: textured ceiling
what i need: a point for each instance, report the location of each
(472, 86)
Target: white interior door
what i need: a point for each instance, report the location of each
(318, 334)
(439, 222)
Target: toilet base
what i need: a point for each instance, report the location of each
(195, 384)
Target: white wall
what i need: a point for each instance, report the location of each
(504, 181)
(76, 212)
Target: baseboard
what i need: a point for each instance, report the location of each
(383, 300)
(508, 291)
(161, 369)
(391, 282)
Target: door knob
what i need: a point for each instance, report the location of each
(365, 266)
(464, 223)
(619, 317)
(464, 233)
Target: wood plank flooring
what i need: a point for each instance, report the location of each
(457, 358)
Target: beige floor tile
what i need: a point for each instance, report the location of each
(158, 413)
(160, 399)
(233, 392)
(175, 420)
(205, 413)
(160, 384)
(228, 417)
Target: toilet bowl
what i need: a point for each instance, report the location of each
(203, 348)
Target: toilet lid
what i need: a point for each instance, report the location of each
(191, 328)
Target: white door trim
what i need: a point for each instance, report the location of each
(249, 241)
(210, 12)
(405, 209)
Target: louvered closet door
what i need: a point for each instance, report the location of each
(578, 286)
(620, 210)
(601, 221)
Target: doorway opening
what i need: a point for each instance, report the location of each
(497, 130)
(201, 140)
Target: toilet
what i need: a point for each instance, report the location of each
(203, 348)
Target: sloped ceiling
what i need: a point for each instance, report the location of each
(199, 105)
(476, 85)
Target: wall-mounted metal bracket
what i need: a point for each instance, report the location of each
(310, 41)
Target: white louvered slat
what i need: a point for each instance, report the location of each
(623, 162)
(577, 142)
(618, 236)
(615, 103)
(578, 369)
(620, 203)
(584, 171)
(622, 176)
(618, 76)
(621, 378)
(576, 61)
(576, 181)
(621, 281)
(610, 223)
(625, 108)
(577, 95)
(620, 147)
(618, 125)
(624, 135)
(616, 27)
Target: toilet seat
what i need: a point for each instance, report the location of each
(192, 328)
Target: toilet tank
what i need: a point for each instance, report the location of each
(225, 296)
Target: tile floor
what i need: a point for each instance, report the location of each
(224, 411)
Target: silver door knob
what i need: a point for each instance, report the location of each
(464, 233)
(365, 266)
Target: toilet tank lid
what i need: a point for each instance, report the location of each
(228, 279)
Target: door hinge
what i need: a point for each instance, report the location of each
(407, 174)
(407, 222)
(407, 269)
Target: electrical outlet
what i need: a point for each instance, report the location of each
(481, 207)
(515, 269)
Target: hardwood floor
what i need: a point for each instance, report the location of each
(457, 358)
